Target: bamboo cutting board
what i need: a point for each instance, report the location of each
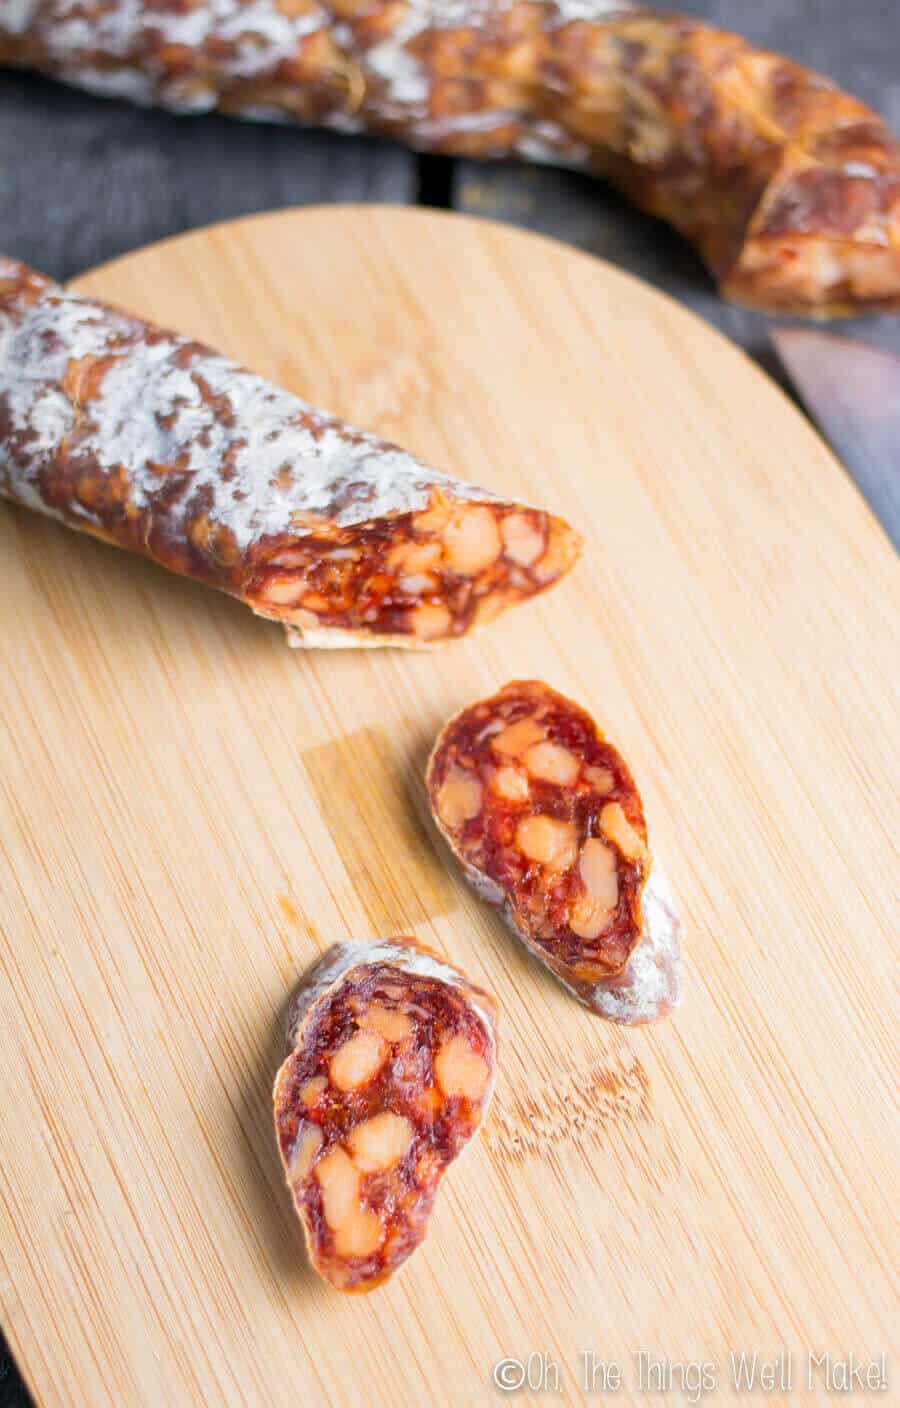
(191, 813)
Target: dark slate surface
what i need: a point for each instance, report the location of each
(85, 180)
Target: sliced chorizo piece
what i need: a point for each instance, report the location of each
(391, 1058)
(545, 818)
(161, 446)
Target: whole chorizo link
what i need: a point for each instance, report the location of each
(158, 445)
(543, 815)
(789, 188)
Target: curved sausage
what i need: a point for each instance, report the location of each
(160, 446)
(391, 1058)
(789, 188)
(545, 818)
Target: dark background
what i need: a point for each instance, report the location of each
(85, 180)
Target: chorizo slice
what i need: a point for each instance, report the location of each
(788, 187)
(163, 447)
(545, 818)
(391, 1058)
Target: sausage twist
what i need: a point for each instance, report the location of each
(789, 188)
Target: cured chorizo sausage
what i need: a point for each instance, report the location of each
(789, 188)
(391, 1057)
(160, 446)
(545, 818)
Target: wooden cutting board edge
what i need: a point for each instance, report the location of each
(658, 1149)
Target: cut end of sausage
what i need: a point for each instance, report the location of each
(553, 831)
(389, 1074)
(417, 579)
(651, 985)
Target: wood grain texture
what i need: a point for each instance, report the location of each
(190, 813)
